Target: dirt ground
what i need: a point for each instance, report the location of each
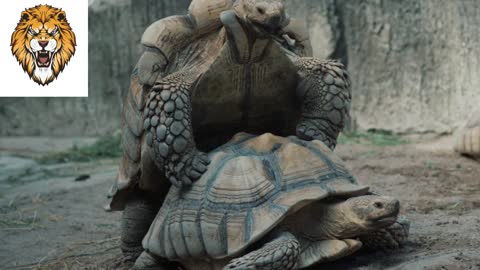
(50, 221)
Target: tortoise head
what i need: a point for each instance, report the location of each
(372, 211)
(264, 16)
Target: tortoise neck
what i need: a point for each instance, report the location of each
(321, 221)
(338, 222)
(243, 40)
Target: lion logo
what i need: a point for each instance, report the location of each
(43, 42)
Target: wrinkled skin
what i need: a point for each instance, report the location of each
(346, 219)
(333, 223)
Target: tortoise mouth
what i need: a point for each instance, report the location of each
(259, 27)
(383, 221)
(266, 28)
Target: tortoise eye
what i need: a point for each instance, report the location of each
(378, 205)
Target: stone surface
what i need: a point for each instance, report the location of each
(412, 64)
(116, 27)
(13, 168)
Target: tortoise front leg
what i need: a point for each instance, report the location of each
(169, 131)
(324, 91)
(391, 237)
(279, 254)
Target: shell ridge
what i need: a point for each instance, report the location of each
(322, 181)
(230, 144)
(328, 179)
(270, 174)
(214, 176)
(241, 193)
(316, 152)
(162, 235)
(172, 246)
(198, 226)
(277, 207)
(275, 167)
(182, 234)
(248, 226)
(224, 233)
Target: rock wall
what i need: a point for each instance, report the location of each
(115, 29)
(413, 64)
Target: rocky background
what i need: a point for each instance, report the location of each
(414, 64)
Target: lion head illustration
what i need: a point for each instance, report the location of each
(43, 42)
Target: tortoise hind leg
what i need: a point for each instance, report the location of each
(280, 254)
(391, 237)
(139, 213)
(148, 261)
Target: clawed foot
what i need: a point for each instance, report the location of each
(280, 254)
(190, 168)
(147, 261)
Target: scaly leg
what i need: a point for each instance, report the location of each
(325, 93)
(169, 130)
(137, 217)
(280, 254)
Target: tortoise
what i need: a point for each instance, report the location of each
(468, 141)
(226, 67)
(270, 202)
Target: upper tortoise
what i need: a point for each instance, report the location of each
(225, 67)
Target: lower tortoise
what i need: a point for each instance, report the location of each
(269, 202)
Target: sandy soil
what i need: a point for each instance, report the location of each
(58, 223)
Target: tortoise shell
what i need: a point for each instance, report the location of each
(468, 139)
(251, 185)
